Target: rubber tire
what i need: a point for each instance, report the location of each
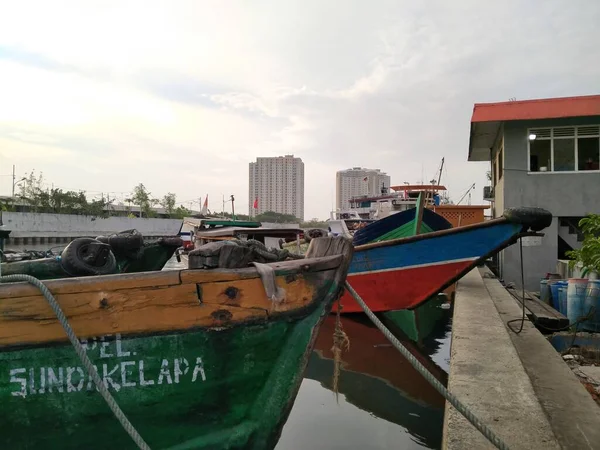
(534, 218)
(172, 241)
(126, 241)
(75, 266)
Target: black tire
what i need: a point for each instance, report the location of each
(126, 242)
(534, 218)
(172, 241)
(87, 256)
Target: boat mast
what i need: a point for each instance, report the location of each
(440, 175)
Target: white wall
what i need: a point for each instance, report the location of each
(65, 225)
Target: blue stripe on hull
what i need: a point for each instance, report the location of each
(473, 243)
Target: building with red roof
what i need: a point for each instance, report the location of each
(544, 153)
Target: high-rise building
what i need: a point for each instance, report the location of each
(277, 184)
(358, 181)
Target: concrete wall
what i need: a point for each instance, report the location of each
(563, 194)
(33, 225)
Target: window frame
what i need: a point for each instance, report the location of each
(575, 137)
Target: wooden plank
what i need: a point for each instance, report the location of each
(419, 215)
(93, 284)
(30, 319)
(317, 264)
(542, 313)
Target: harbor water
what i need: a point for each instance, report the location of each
(382, 401)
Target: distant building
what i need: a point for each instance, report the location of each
(276, 184)
(543, 153)
(358, 181)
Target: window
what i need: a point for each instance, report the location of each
(564, 149)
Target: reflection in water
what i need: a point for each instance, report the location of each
(384, 402)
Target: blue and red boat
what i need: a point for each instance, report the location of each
(404, 273)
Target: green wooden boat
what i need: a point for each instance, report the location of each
(124, 252)
(196, 359)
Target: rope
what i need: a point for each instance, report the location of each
(460, 407)
(112, 404)
(340, 342)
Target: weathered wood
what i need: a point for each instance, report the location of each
(29, 319)
(315, 264)
(93, 284)
(542, 313)
(419, 214)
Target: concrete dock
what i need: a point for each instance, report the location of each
(517, 384)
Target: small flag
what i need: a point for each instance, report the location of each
(365, 178)
(205, 207)
(256, 203)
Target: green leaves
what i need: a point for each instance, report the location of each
(589, 253)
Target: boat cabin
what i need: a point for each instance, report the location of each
(400, 198)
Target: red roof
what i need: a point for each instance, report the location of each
(548, 108)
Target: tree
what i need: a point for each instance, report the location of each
(168, 203)
(181, 212)
(272, 216)
(31, 189)
(314, 223)
(143, 199)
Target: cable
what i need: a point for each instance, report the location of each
(522, 319)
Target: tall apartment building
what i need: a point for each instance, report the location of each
(276, 184)
(358, 181)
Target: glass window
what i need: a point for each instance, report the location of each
(539, 155)
(564, 155)
(588, 153)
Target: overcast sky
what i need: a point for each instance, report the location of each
(182, 95)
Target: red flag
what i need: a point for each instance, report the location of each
(256, 203)
(365, 178)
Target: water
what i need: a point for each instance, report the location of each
(383, 402)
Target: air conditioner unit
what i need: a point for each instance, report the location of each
(488, 193)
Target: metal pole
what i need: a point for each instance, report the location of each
(13, 188)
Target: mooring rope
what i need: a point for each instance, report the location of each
(460, 407)
(112, 404)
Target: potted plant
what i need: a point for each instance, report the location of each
(589, 253)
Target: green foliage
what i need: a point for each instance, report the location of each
(314, 223)
(143, 199)
(180, 212)
(168, 203)
(589, 253)
(271, 216)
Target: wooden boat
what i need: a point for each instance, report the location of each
(195, 358)
(403, 273)
(88, 256)
(410, 222)
(376, 378)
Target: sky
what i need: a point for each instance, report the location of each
(181, 95)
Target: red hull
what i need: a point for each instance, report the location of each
(399, 289)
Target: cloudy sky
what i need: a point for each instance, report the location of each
(182, 95)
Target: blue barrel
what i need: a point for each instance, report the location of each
(554, 285)
(545, 291)
(592, 300)
(575, 299)
(562, 299)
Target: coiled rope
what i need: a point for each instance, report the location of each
(112, 404)
(460, 407)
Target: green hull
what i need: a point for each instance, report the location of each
(417, 323)
(198, 390)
